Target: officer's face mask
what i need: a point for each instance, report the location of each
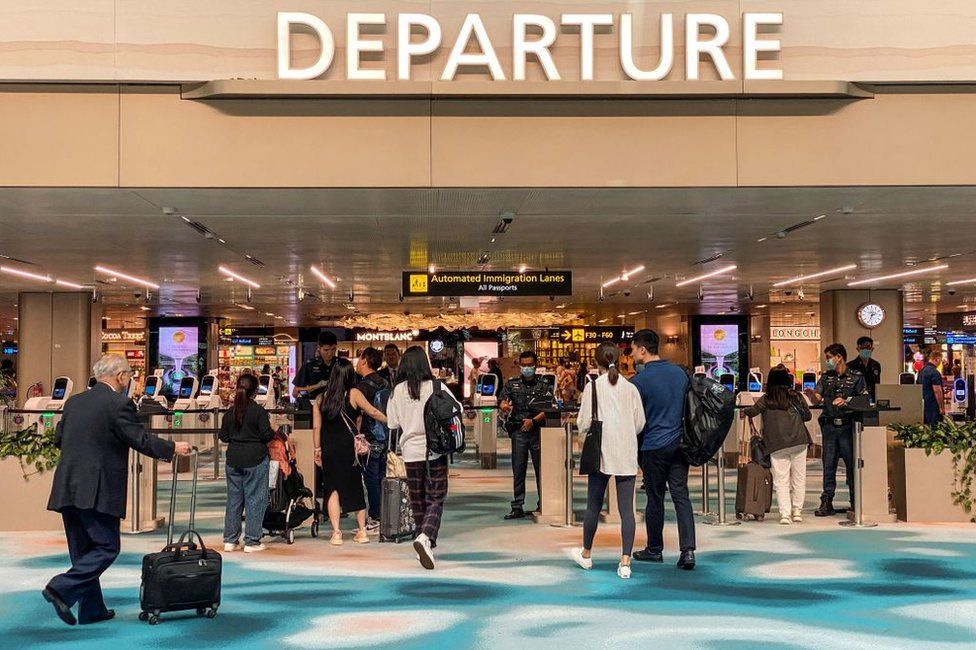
(831, 365)
(864, 354)
(528, 372)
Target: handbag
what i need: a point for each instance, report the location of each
(757, 448)
(593, 443)
(395, 467)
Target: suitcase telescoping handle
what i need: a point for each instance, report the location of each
(194, 462)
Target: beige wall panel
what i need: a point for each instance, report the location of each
(35, 312)
(57, 40)
(71, 337)
(183, 40)
(167, 142)
(59, 135)
(910, 139)
(561, 144)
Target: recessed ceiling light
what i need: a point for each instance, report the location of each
(634, 313)
(144, 308)
(760, 306)
(235, 276)
(603, 320)
(432, 269)
(522, 268)
(124, 276)
(247, 307)
(662, 305)
(893, 276)
(811, 276)
(712, 274)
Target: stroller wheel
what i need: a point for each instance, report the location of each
(290, 536)
(315, 529)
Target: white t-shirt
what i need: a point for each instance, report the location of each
(407, 414)
(622, 413)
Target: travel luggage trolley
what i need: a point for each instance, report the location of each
(182, 576)
(286, 499)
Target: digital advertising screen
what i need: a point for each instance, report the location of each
(720, 346)
(477, 353)
(179, 355)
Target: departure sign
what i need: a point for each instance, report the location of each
(487, 283)
(595, 334)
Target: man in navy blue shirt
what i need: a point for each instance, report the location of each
(663, 388)
(930, 377)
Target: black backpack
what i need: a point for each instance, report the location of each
(442, 423)
(709, 413)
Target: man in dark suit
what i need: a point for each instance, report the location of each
(97, 429)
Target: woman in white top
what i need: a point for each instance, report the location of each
(426, 473)
(622, 413)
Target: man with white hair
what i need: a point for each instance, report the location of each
(98, 428)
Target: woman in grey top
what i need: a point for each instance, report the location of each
(784, 412)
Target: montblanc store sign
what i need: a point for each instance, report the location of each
(420, 38)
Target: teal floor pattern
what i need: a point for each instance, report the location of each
(504, 585)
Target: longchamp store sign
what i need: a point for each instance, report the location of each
(808, 333)
(419, 38)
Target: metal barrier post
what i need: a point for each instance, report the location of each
(135, 521)
(216, 445)
(720, 519)
(706, 491)
(858, 521)
(568, 516)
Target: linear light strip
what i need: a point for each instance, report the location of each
(955, 282)
(25, 274)
(130, 278)
(623, 277)
(226, 271)
(811, 276)
(721, 271)
(324, 278)
(894, 276)
(70, 285)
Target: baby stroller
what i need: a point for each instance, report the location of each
(287, 508)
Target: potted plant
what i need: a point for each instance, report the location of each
(935, 471)
(33, 448)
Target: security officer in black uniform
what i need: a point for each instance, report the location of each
(310, 380)
(865, 365)
(523, 399)
(836, 385)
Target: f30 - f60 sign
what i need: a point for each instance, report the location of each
(419, 36)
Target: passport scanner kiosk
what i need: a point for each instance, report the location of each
(53, 403)
(266, 392)
(485, 400)
(153, 399)
(960, 394)
(186, 397)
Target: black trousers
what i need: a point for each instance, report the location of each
(93, 544)
(838, 444)
(667, 468)
(525, 445)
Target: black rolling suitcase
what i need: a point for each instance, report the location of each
(754, 491)
(396, 515)
(184, 575)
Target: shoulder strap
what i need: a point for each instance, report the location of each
(437, 386)
(596, 406)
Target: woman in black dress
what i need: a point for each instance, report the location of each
(335, 421)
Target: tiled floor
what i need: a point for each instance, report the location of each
(511, 585)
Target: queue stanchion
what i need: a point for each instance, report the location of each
(216, 445)
(568, 516)
(858, 521)
(706, 491)
(719, 519)
(135, 521)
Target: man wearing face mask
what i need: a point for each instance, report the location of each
(865, 365)
(97, 429)
(839, 383)
(522, 399)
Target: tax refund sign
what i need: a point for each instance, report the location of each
(419, 38)
(487, 283)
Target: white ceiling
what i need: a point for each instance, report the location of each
(367, 237)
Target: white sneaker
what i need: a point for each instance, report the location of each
(372, 526)
(230, 547)
(785, 521)
(623, 570)
(584, 562)
(256, 548)
(336, 538)
(797, 516)
(424, 553)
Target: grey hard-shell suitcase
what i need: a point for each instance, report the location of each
(754, 491)
(396, 515)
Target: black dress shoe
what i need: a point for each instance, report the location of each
(687, 560)
(60, 607)
(516, 513)
(107, 616)
(647, 555)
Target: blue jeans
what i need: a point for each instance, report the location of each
(373, 474)
(247, 491)
(838, 444)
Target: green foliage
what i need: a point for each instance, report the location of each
(33, 448)
(957, 438)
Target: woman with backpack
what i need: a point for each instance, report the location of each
(426, 471)
(784, 412)
(338, 446)
(621, 413)
(246, 428)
